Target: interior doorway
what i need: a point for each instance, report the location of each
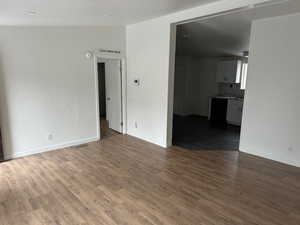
(110, 96)
(199, 114)
(211, 64)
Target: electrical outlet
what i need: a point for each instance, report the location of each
(136, 82)
(50, 137)
(135, 124)
(290, 149)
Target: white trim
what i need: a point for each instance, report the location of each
(270, 156)
(97, 57)
(97, 97)
(50, 148)
(211, 16)
(171, 84)
(234, 123)
(182, 114)
(149, 140)
(124, 95)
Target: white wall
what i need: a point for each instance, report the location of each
(47, 86)
(148, 55)
(202, 84)
(195, 82)
(271, 124)
(148, 59)
(181, 85)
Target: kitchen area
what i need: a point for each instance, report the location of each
(208, 102)
(227, 106)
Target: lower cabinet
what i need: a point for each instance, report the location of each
(235, 111)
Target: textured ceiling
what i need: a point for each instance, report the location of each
(228, 34)
(89, 12)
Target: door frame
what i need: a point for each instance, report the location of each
(104, 56)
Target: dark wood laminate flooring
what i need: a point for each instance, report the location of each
(125, 181)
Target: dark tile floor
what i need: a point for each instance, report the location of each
(198, 133)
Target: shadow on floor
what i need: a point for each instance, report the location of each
(105, 130)
(198, 133)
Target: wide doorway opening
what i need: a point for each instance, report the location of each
(210, 80)
(210, 61)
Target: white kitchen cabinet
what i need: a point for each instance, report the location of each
(229, 71)
(235, 111)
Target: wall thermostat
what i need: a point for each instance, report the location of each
(136, 82)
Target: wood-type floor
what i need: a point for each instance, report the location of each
(123, 180)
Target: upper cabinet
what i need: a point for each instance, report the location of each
(229, 71)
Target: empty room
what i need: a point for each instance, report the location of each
(149, 112)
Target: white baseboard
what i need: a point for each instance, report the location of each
(272, 157)
(50, 148)
(234, 123)
(182, 114)
(190, 114)
(146, 139)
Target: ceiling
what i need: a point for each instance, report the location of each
(88, 12)
(226, 35)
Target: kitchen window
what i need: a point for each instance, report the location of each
(244, 75)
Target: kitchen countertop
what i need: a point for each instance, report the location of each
(228, 97)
